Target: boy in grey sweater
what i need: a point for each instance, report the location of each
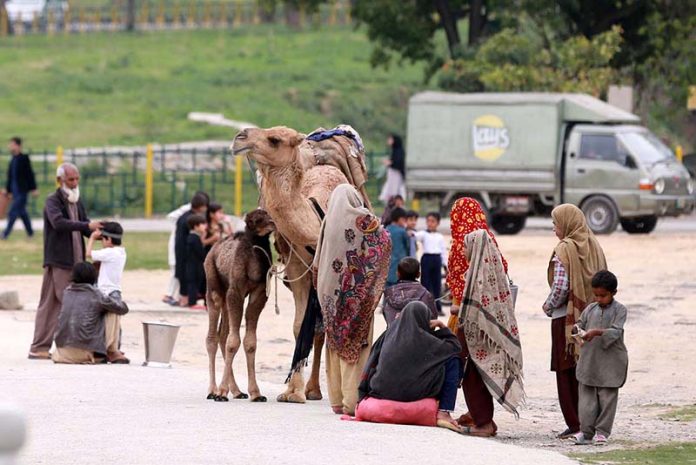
(603, 363)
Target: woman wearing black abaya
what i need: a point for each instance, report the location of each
(396, 170)
(416, 358)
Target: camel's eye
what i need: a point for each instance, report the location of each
(274, 141)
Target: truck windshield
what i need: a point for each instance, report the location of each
(647, 147)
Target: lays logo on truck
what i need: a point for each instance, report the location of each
(490, 137)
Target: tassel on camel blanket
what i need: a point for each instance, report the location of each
(305, 340)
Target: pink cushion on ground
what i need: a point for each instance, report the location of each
(421, 412)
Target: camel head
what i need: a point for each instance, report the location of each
(259, 222)
(274, 147)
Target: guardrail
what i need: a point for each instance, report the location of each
(166, 15)
(155, 179)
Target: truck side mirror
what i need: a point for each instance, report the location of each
(630, 162)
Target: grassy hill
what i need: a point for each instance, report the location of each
(103, 89)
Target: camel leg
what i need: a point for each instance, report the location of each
(212, 340)
(235, 308)
(313, 389)
(300, 290)
(257, 301)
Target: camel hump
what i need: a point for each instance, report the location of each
(341, 147)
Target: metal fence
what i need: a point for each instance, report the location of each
(153, 15)
(114, 181)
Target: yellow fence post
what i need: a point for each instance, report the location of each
(4, 25)
(66, 22)
(415, 205)
(59, 160)
(238, 171)
(160, 15)
(679, 152)
(237, 20)
(149, 156)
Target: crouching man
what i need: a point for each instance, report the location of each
(82, 337)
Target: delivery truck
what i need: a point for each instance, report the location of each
(521, 154)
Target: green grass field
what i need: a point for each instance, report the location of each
(118, 88)
(668, 454)
(19, 255)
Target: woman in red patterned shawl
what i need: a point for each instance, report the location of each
(466, 217)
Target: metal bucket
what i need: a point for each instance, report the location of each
(159, 343)
(514, 288)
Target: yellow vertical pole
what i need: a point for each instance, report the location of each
(415, 204)
(59, 160)
(223, 14)
(66, 22)
(237, 20)
(238, 171)
(149, 156)
(679, 152)
(4, 25)
(332, 16)
(160, 15)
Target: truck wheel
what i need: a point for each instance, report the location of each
(601, 215)
(508, 224)
(639, 225)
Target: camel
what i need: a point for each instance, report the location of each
(235, 269)
(293, 184)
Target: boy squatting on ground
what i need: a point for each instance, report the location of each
(112, 261)
(433, 258)
(407, 290)
(82, 337)
(603, 363)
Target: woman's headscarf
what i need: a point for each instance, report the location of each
(487, 317)
(350, 266)
(407, 363)
(582, 257)
(398, 156)
(466, 217)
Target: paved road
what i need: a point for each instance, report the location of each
(135, 415)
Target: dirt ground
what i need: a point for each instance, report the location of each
(655, 284)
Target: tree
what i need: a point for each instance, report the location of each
(512, 61)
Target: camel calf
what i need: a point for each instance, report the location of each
(235, 269)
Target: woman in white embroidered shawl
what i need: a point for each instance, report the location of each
(487, 318)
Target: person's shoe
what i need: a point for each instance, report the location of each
(197, 307)
(486, 431)
(567, 434)
(39, 356)
(167, 299)
(580, 440)
(600, 440)
(117, 358)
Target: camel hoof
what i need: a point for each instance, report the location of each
(313, 395)
(221, 399)
(241, 395)
(282, 397)
(296, 398)
(211, 396)
(259, 399)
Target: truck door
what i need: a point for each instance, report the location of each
(598, 163)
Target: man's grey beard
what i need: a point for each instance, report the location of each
(73, 194)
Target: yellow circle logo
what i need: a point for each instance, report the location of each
(489, 137)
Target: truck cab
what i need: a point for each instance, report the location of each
(623, 174)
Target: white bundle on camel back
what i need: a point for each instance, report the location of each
(298, 174)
